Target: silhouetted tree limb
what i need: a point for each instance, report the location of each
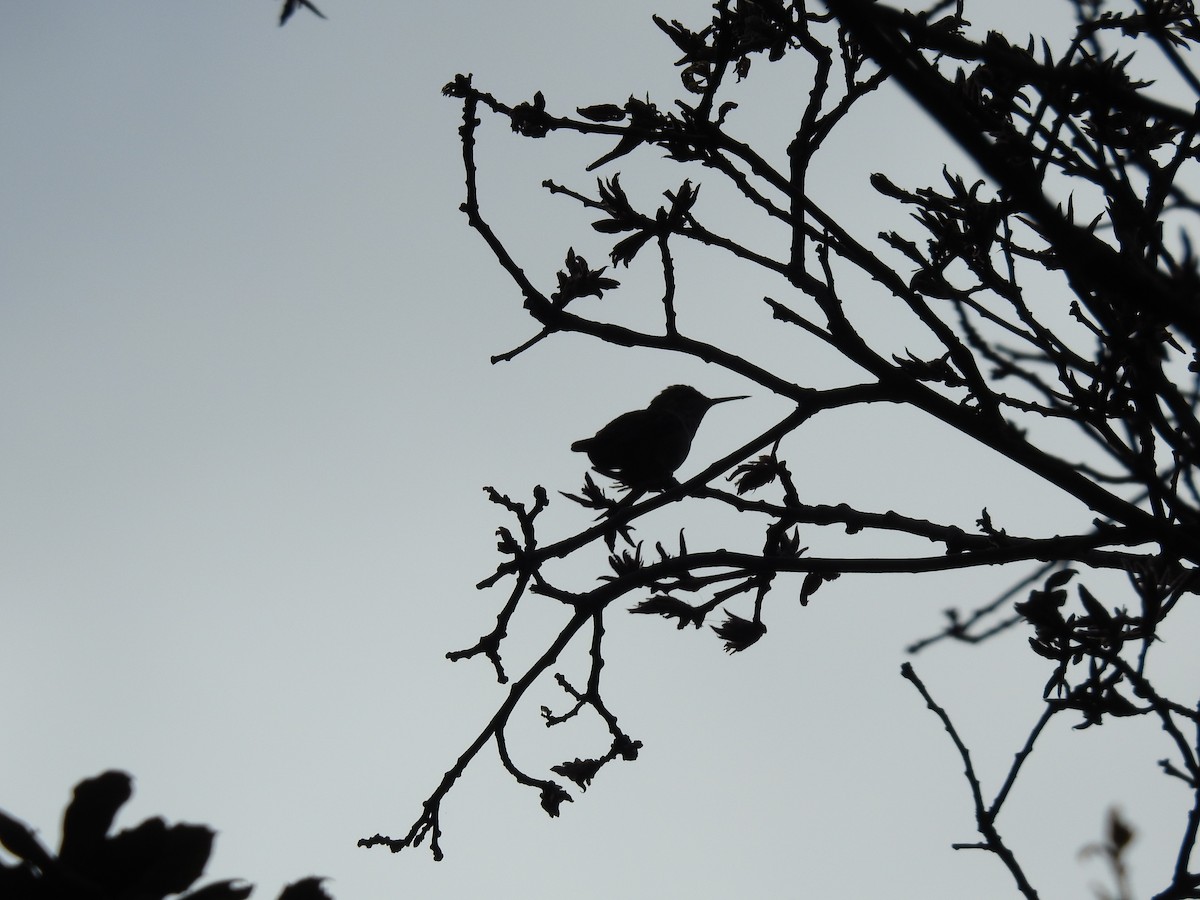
(1054, 302)
(552, 795)
(985, 814)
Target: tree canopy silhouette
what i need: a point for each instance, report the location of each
(1053, 299)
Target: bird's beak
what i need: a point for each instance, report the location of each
(714, 402)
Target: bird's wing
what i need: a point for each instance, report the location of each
(639, 445)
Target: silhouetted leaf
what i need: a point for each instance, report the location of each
(644, 121)
(507, 543)
(812, 582)
(593, 496)
(610, 226)
(1043, 609)
(938, 370)
(985, 525)
(782, 543)
(602, 112)
(629, 141)
(757, 473)
(625, 747)
(739, 633)
(613, 198)
(1117, 704)
(624, 251)
(158, 858)
(89, 816)
(305, 889)
(888, 188)
(671, 608)
(19, 839)
(1094, 608)
(529, 119)
(553, 797)
(1120, 833)
(682, 202)
(1059, 578)
(612, 532)
(580, 771)
(905, 246)
(624, 563)
(459, 86)
(577, 280)
(692, 44)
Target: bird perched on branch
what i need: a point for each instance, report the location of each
(642, 449)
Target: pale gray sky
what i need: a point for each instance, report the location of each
(247, 412)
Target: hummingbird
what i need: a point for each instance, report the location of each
(642, 449)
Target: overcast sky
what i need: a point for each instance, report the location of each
(246, 412)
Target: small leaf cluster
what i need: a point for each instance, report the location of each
(1095, 636)
(577, 280)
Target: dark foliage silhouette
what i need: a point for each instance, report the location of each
(1053, 304)
(151, 861)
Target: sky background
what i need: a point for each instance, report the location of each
(246, 412)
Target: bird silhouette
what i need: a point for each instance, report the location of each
(290, 7)
(642, 449)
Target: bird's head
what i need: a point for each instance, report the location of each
(686, 402)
